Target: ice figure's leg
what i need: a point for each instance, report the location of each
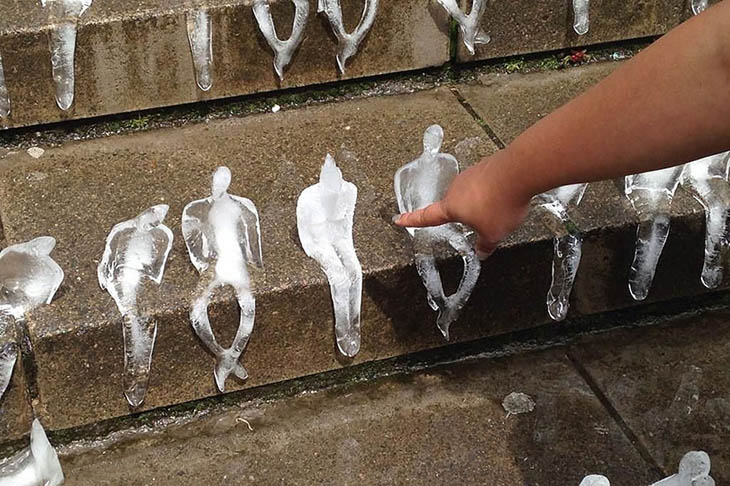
(717, 243)
(699, 6)
(651, 235)
(348, 339)
(567, 251)
(348, 43)
(63, 48)
(8, 357)
(581, 20)
(139, 342)
(472, 269)
(429, 272)
(227, 360)
(199, 315)
(4, 95)
(200, 35)
(283, 50)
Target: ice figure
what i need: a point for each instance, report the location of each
(698, 6)
(36, 465)
(283, 49)
(325, 212)
(651, 195)
(595, 480)
(581, 20)
(348, 43)
(567, 245)
(694, 470)
(223, 235)
(135, 249)
(64, 14)
(470, 25)
(8, 357)
(200, 36)
(4, 95)
(707, 180)
(418, 184)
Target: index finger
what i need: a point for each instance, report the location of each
(432, 215)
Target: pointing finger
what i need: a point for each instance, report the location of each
(432, 215)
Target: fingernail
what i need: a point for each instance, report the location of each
(396, 218)
(482, 255)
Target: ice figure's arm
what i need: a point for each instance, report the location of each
(194, 235)
(283, 49)
(8, 357)
(162, 237)
(105, 269)
(41, 246)
(252, 228)
(401, 189)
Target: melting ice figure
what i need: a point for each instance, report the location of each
(581, 19)
(567, 245)
(200, 36)
(470, 25)
(283, 49)
(65, 16)
(223, 235)
(36, 465)
(8, 357)
(135, 249)
(651, 195)
(698, 6)
(595, 480)
(348, 42)
(707, 180)
(4, 95)
(694, 470)
(418, 184)
(325, 212)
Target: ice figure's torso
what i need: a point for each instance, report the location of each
(26, 281)
(325, 221)
(652, 191)
(18, 470)
(228, 240)
(558, 200)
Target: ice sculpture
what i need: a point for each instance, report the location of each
(651, 195)
(418, 184)
(470, 25)
(348, 43)
(595, 480)
(200, 36)
(8, 357)
(283, 49)
(581, 20)
(135, 249)
(694, 470)
(223, 235)
(567, 245)
(36, 465)
(707, 180)
(325, 213)
(64, 14)
(4, 95)
(698, 6)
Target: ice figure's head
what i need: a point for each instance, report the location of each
(694, 464)
(432, 140)
(330, 176)
(151, 217)
(47, 465)
(221, 182)
(595, 480)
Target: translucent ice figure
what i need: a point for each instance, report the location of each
(567, 245)
(36, 465)
(283, 49)
(595, 480)
(707, 180)
(581, 20)
(651, 195)
(698, 6)
(135, 249)
(223, 235)
(4, 95)
(200, 36)
(418, 184)
(694, 470)
(8, 357)
(348, 43)
(325, 212)
(470, 25)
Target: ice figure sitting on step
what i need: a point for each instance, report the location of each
(650, 194)
(418, 184)
(581, 19)
(694, 470)
(36, 465)
(325, 213)
(348, 43)
(595, 480)
(283, 49)
(567, 245)
(470, 25)
(223, 235)
(136, 249)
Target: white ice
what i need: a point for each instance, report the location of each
(707, 180)
(418, 184)
(4, 95)
(650, 194)
(8, 357)
(470, 25)
(694, 470)
(567, 245)
(581, 18)
(200, 36)
(283, 49)
(64, 14)
(325, 213)
(348, 42)
(595, 480)
(36, 465)
(223, 235)
(699, 6)
(135, 249)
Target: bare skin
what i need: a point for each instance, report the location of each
(667, 106)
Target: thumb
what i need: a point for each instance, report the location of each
(432, 215)
(484, 248)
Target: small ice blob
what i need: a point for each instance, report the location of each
(223, 236)
(595, 480)
(283, 49)
(4, 95)
(581, 18)
(36, 465)
(699, 6)
(325, 213)
(348, 42)
(650, 194)
(470, 25)
(418, 184)
(200, 36)
(694, 470)
(567, 245)
(136, 249)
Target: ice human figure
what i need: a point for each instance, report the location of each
(223, 235)
(698, 6)
(418, 184)
(581, 17)
(694, 470)
(595, 480)
(4, 95)
(348, 42)
(64, 14)
(36, 465)
(707, 180)
(200, 36)
(325, 213)
(567, 245)
(136, 249)
(8, 357)
(650, 194)
(470, 25)
(283, 49)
